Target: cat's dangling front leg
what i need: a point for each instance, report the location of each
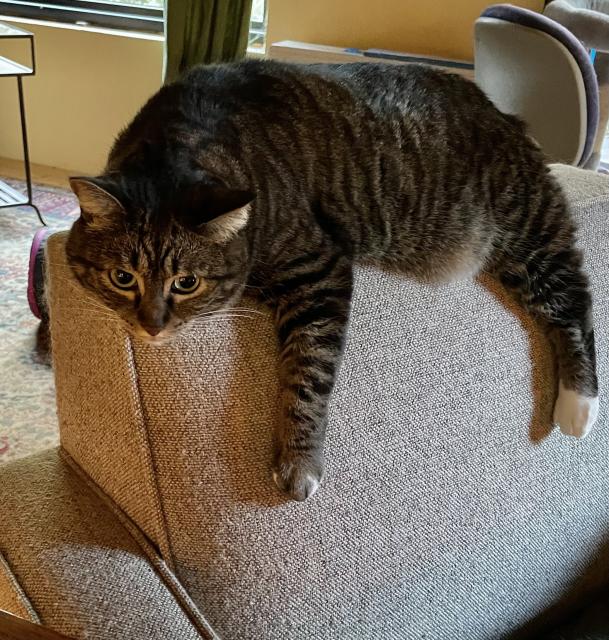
(313, 303)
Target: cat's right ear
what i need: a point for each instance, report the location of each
(98, 207)
(214, 209)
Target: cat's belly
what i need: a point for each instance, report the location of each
(462, 264)
(445, 253)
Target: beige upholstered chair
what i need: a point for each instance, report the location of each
(532, 67)
(449, 509)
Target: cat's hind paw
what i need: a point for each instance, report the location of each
(297, 476)
(574, 413)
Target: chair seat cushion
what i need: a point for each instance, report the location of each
(69, 563)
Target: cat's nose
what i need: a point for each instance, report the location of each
(153, 330)
(152, 313)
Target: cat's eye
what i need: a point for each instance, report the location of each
(185, 284)
(122, 279)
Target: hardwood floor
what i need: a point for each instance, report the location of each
(41, 174)
(13, 628)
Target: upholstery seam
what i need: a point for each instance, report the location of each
(152, 489)
(56, 242)
(149, 459)
(18, 590)
(144, 451)
(160, 568)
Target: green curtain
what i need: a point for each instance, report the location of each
(204, 31)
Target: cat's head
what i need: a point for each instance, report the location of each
(159, 264)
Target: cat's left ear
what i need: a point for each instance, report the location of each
(215, 210)
(98, 206)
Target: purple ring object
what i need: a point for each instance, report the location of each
(34, 271)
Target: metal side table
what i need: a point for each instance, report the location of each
(9, 197)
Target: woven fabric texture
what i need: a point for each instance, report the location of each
(99, 405)
(12, 598)
(449, 509)
(82, 572)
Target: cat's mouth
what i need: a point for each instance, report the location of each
(158, 337)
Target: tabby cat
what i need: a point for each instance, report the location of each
(281, 177)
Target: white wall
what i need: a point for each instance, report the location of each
(88, 85)
(437, 27)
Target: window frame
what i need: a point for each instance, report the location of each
(97, 13)
(258, 29)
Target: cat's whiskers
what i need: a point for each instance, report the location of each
(228, 315)
(89, 300)
(90, 304)
(233, 309)
(217, 318)
(97, 314)
(96, 304)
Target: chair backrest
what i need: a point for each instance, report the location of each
(532, 67)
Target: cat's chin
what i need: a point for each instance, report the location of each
(162, 338)
(156, 340)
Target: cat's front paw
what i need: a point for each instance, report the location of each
(574, 413)
(298, 475)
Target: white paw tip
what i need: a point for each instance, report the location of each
(574, 413)
(304, 488)
(313, 485)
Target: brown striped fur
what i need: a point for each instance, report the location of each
(281, 177)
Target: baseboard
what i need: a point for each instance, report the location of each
(306, 52)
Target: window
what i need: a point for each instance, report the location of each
(256, 42)
(135, 15)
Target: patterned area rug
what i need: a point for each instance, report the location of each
(28, 421)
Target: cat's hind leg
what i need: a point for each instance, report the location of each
(552, 286)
